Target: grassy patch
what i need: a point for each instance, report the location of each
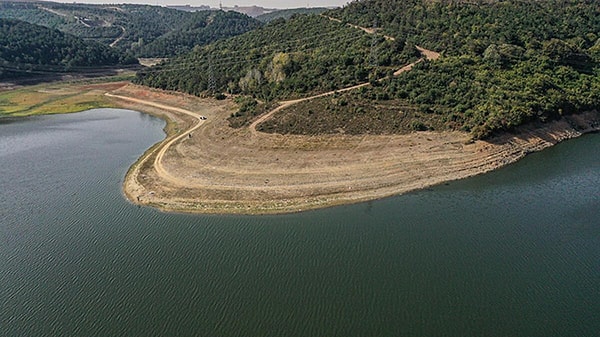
(50, 99)
(352, 113)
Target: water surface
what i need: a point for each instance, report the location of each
(512, 253)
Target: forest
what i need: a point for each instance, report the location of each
(504, 63)
(139, 30)
(27, 49)
(304, 55)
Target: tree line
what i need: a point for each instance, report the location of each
(27, 48)
(142, 30)
(304, 55)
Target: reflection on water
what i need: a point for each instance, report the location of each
(512, 253)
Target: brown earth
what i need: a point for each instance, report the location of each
(209, 167)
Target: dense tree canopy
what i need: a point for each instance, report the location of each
(294, 58)
(145, 31)
(469, 27)
(27, 48)
(505, 62)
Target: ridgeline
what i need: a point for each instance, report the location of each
(138, 30)
(29, 50)
(503, 64)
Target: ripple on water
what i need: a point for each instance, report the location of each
(512, 253)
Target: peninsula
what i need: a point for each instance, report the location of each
(205, 166)
(352, 104)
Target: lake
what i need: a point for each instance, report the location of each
(515, 252)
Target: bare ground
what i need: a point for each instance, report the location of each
(219, 169)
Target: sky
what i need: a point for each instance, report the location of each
(227, 3)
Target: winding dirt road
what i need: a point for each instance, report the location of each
(286, 104)
(158, 165)
(119, 38)
(427, 54)
(224, 170)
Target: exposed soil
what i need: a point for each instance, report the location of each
(213, 168)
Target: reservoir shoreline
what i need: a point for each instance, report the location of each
(207, 167)
(78, 259)
(215, 169)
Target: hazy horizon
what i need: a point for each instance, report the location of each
(226, 3)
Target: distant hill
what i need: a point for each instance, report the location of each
(31, 49)
(252, 11)
(189, 8)
(200, 29)
(144, 31)
(288, 13)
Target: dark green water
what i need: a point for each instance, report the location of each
(512, 253)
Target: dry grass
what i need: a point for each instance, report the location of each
(219, 169)
(224, 170)
(56, 98)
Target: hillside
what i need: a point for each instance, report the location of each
(288, 13)
(285, 59)
(143, 31)
(201, 28)
(27, 49)
(505, 63)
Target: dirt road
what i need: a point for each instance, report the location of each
(225, 170)
(427, 54)
(119, 38)
(286, 104)
(162, 149)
